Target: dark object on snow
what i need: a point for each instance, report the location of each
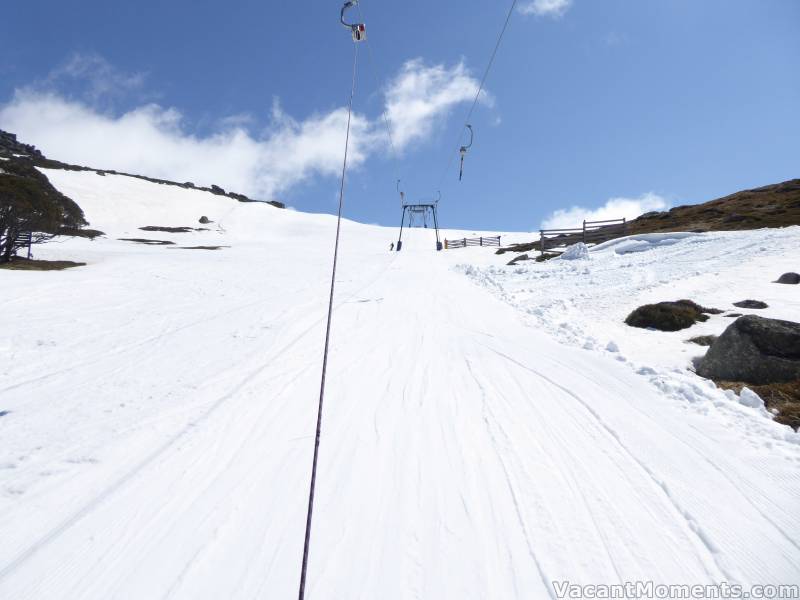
(215, 189)
(703, 340)
(147, 242)
(23, 264)
(167, 229)
(789, 278)
(205, 220)
(733, 315)
(754, 350)
(197, 247)
(519, 258)
(669, 316)
(751, 304)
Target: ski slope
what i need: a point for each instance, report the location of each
(482, 437)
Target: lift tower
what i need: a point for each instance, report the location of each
(421, 213)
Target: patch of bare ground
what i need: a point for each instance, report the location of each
(782, 399)
(23, 264)
(147, 242)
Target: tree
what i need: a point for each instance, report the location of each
(30, 203)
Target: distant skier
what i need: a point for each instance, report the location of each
(391, 247)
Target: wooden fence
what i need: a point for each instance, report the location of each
(592, 232)
(25, 239)
(478, 241)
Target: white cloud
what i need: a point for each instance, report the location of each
(421, 94)
(93, 77)
(156, 141)
(546, 8)
(151, 140)
(615, 208)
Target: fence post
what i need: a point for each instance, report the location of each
(481, 241)
(625, 225)
(541, 241)
(584, 231)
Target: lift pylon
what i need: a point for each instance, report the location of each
(421, 211)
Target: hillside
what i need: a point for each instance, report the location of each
(26, 155)
(769, 206)
(488, 430)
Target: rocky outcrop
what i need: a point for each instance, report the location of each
(754, 350)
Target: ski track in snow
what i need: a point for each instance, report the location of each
(478, 440)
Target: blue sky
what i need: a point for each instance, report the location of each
(647, 102)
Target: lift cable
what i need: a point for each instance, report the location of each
(358, 33)
(478, 94)
(384, 114)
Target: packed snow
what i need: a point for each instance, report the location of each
(488, 429)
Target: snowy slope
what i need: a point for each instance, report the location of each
(161, 406)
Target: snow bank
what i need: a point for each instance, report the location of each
(579, 251)
(644, 242)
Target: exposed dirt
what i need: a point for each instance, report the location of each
(198, 247)
(775, 205)
(147, 242)
(167, 229)
(780, 398)
(23, 264)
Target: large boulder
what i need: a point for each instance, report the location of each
(754, 350)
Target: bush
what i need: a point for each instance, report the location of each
(669, 316)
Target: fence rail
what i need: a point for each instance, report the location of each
(592, 232)
(478, 241)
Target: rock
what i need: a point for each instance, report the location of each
(789, 278)
(703, 340)
(205, 220)
(751, 304)
(579, 251)
(517, 259)
(754, 350)
(215, 189)
(733, 315)
(669, 316)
